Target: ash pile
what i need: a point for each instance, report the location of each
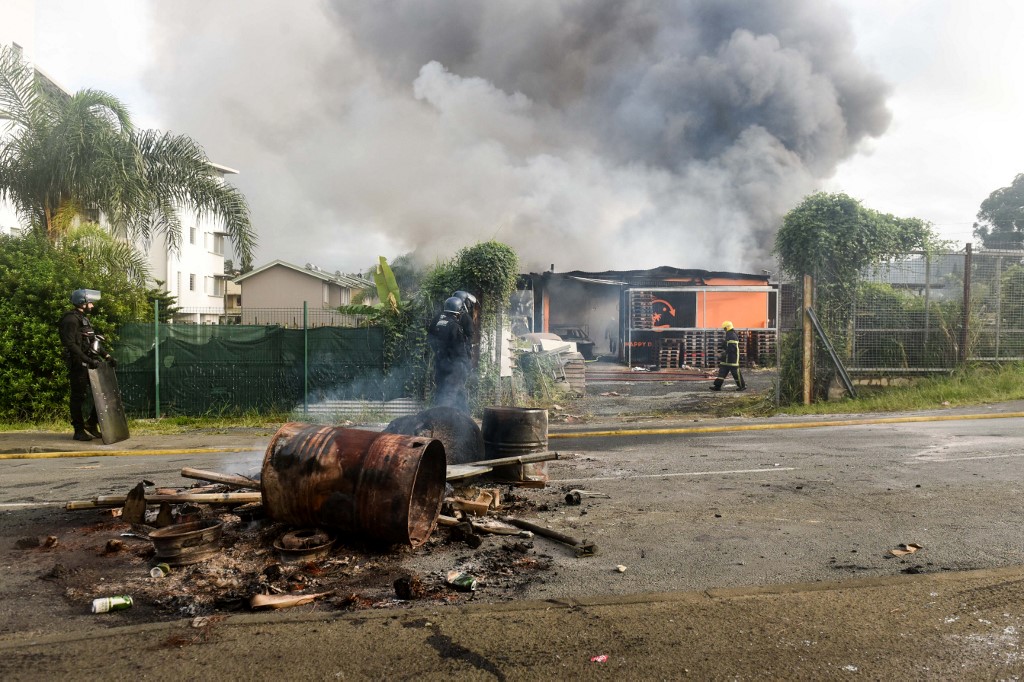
(332, 520)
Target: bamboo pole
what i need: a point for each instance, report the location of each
(198, 498)
(231, 480)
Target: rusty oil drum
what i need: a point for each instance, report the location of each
(384, 487)
(514, 431)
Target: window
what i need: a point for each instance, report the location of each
(218, 244)
(191, 282)
(177, 289)
(218, 286)
(327, 294)
(192, 235)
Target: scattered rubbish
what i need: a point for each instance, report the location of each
(137, 536)
(463, 532)
(164, 517)
(50, 541)
(463, 582)
(300, 546)
(160, 571)
(575, 497)
(116, 603)
(610, 394)
(603, 658)
(200, 621)
(620, 568)
(27, 543)
(409, 587)
(283, 601)
(113, 546)
(134, 510)
(905, 549)
(230, 480)
(187, 543)
(581, 547)
(199, 498)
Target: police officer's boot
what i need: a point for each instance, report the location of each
(93, 429)
(80, 434)
(717, 386)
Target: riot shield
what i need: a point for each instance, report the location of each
(109, 409)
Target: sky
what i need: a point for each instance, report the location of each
(614, 134)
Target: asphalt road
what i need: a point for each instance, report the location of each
(693, 514)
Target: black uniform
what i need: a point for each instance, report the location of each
(452, 361)
(77, 334)
(730, 363)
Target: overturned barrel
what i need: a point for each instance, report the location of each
(514, 431)
(384, 487)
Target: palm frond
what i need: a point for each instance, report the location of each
(113, 255)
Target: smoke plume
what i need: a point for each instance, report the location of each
(606, 134)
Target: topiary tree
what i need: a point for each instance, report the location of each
(832, 237)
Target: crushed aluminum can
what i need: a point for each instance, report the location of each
(160, 571)
(115, 603)
(463, 582)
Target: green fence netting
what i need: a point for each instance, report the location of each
(208, 369)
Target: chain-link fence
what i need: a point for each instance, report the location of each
(299, 363)
(918, 313)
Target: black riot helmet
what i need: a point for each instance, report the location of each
(453, 305)
(79, 297)
(468, 299)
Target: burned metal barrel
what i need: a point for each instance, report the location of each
(513, 431)
(385, 487)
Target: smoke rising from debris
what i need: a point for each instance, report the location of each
(608, 134)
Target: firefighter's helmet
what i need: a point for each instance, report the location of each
(727, 325)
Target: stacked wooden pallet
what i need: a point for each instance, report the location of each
(765, 343)
(641, 314)
(669, 354)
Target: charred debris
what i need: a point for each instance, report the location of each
(332, 519)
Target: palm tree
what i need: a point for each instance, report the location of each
(61, 154)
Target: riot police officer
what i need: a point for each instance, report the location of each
(452, 356)
(82, 352)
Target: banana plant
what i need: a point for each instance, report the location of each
(390, 299)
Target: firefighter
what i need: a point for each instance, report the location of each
(730, 359)
(82, 352)
(452, 356)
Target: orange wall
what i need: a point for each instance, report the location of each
(745, 310)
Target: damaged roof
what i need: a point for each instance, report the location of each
(659, 276)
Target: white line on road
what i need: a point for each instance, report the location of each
(687, 473)
(925, 459)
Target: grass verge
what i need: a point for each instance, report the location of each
(972, 385)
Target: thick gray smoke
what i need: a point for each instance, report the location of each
(606, 134)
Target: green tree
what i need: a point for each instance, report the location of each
(832, 237)
(1001, 218)
(62, 155)
(37, 278)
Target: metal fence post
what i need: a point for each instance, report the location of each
(156, 355)
(305, 357)
(999, 301)
(966, 324)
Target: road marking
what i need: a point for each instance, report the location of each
(925, 459)
(786, 425)
(120, 453)
(687, 473)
